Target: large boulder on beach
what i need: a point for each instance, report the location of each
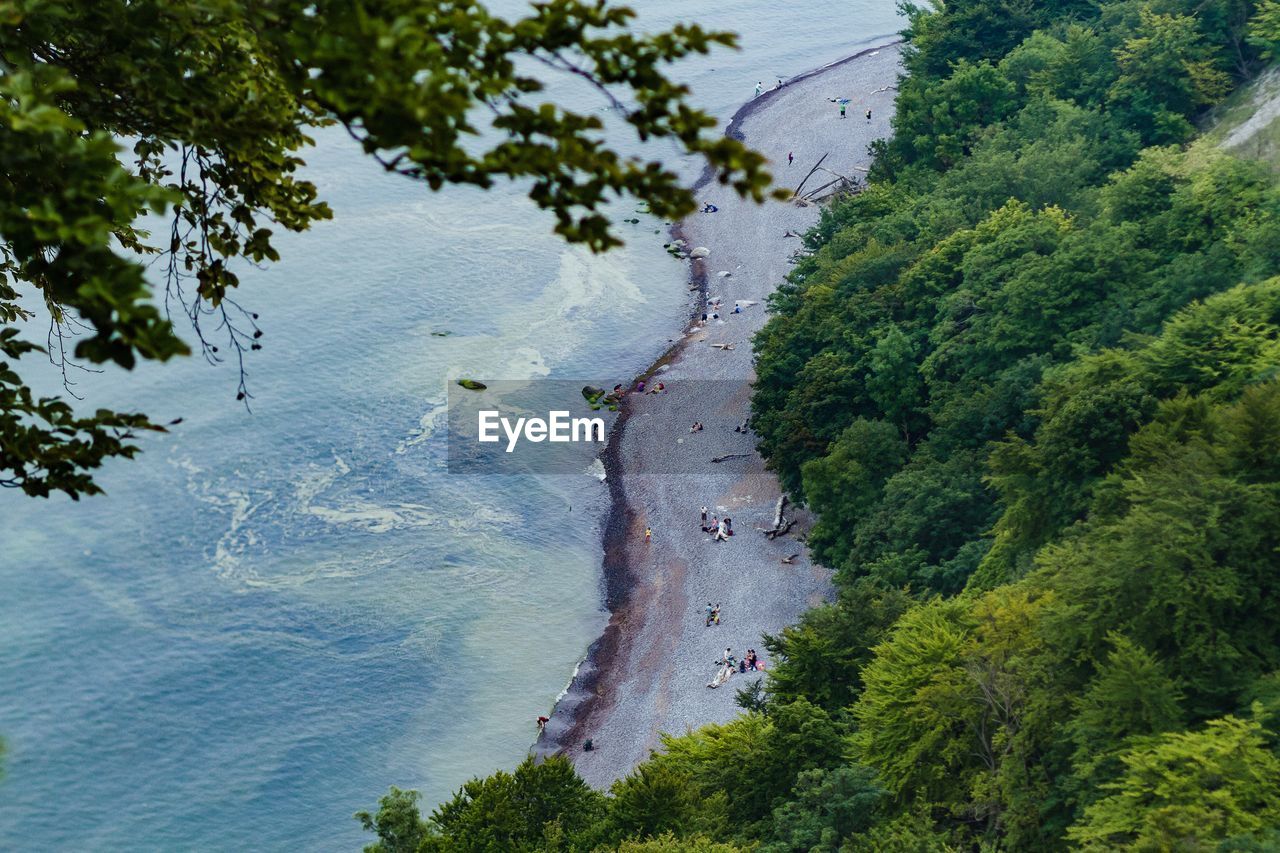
(700, 252)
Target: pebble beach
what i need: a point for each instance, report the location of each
(648, 673)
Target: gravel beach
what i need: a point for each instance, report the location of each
(648, 674)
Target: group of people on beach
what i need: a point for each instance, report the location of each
(842, 103)
(657, 388)
(720, 529)
(729, 665)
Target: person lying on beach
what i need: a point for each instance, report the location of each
(708, 207)
(697, 427)
(658, 389)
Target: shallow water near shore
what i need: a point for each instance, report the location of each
(272, 617)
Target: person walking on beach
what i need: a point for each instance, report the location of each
(759, 88)
(868, 115)
(704, 518)
(843, 104)
(710, 613)
(791, 156)
(648, 535)
(715, 615)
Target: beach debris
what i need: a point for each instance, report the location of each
(796, 194)
(472, 385)
(786, 561)
(722, 346)
(443, 334)
(781, 524)
(781, 531)
(778, 510)
(745, 303)
(724, 273)
(730, 456)
(700, 252)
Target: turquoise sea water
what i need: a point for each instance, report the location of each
(271, 617)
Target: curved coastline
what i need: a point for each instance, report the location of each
(584, 707)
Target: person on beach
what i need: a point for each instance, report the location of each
(640, 386)
(697, 427)
(727, 665)
(868, 115)
(722, 532)
(759, 88)
(542, 724)
(791, 156)
(713, 525)
(704, 518)
(710, 612)
(842, 106)
(708, 207)
(648, 535)
(715, 615)
(751, 660)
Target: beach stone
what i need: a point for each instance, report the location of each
(700, 252)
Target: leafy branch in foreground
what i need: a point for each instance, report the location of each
(216, 98)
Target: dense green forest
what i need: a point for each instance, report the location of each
(1029, 381)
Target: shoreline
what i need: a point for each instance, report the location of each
(592, 693)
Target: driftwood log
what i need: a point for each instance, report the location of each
(781, 526)
(810, 175)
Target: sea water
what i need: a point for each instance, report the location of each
(272, 616)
